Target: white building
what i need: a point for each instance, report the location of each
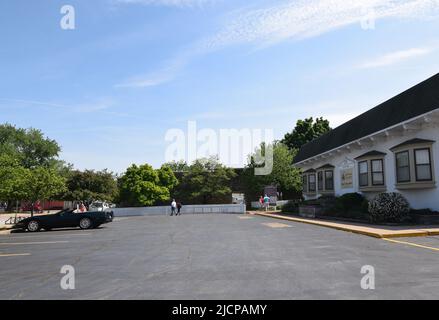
(390, 148)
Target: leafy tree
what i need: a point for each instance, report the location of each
(42, 184)
(177, 166)
(90, 185)
(144, 186)
(28, 146)
(22, 151)
(12, 177)
(206, 181)
(283, 175)
(167, 177)
(306, 131)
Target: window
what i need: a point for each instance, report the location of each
(423, 165)
(403, 167)
(312, 183)
(305, 183)
(320, 180)
(329, 180)
(363, 170)
(377, 172)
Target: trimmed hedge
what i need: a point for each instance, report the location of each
(290, 207)
(351, 205)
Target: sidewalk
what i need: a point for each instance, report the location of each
(6, 216)
(364, 229)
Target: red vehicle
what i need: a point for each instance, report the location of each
(40, 206)
(27, 206)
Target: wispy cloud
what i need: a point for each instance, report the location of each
(308, 18)
(169, 3)
(395, 57)
(282, 21)
(168, 72)
(152, 79)
(93, 106)
(32, 102)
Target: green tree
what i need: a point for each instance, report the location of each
(28, 146)
(206, 181)
(13, 179)
(90, 185)
(42, 183)
(144, 186)
(283, 175)
(306, 131)
(25, 150)
(167, 177)
(177, 166)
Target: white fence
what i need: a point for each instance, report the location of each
(187, 209)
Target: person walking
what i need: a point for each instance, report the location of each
(173, 206)
(266, 202)
(261, 201)
(179, 206)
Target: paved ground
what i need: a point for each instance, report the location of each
(215, 257)
(377, 231)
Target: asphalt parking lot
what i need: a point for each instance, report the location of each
(215, 257)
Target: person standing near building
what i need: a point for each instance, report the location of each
(179, 206)
(173, 206)
(261, 201)
(266, 202)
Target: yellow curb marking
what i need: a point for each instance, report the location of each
(48, 234)
(276, 225)
(354, 229)
(412, 244)
(24, 243)
(14, 254)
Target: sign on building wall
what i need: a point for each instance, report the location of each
(347, 173)
(347, 178)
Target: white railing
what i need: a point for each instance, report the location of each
(187, 209)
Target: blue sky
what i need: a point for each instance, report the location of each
(109, 90)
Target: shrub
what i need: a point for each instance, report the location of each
(290, 206)
(426, 212)
(389, 207)
(350, 202)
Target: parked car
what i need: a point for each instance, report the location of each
(65, 219)
(100, 206)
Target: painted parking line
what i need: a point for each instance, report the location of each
(245, 218)
(411, 244)
(14, 254)
(29, 242)
(276, 225)
(47, 234)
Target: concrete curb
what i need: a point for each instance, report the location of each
(363, 230)
(5, 230)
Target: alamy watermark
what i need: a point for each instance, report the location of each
(68, 280)
(68, 20)
(368, 18)
(232, 146)
(368, 280)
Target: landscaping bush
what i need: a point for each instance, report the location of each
(290, 207)
(350, 202)
(423, 212)
(389, 207)
(350, 205)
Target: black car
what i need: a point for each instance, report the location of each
(65, 219)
